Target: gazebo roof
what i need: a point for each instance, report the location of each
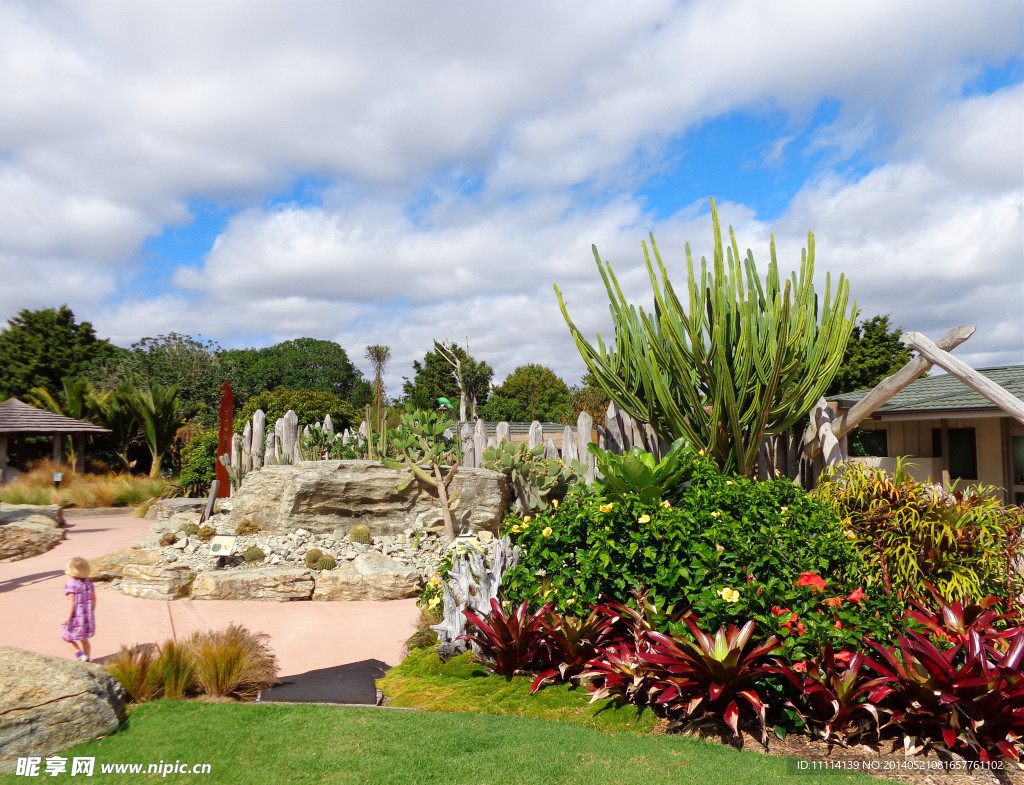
(18, 417)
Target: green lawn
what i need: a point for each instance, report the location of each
(266, 744)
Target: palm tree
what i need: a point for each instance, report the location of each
(161, 413)
(117, 410)
(379, 356)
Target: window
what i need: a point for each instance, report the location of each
(963, 452)
(864, 443)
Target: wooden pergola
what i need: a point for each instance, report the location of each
(20, 419)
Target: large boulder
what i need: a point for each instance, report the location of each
(370, 576)
(111, 566)
(25, 539)
(45, 514)
(263, 583)
(165, 508)
(156, 582)
(48, 704)
(324, 496)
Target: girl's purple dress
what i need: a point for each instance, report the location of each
(83, 621)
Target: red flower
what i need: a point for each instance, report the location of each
(800, 667)
(799, 628)
(779, 611)
(813, 580)
(856, 594)
(843, 658)
(838, 625)
(834, 602)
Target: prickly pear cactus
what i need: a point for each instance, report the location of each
(536, 481)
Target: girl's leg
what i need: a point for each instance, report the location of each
(86, 649)
(74, 645)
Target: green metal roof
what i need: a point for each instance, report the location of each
(944, 393)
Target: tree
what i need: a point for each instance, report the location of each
(379, 356)
(41, 348)
(434, 378)
(874, 352)
(538, 394)
(308, 364)
(117, 411)
(311, 406)
(736, 360)
(588, 397)
(161, 413)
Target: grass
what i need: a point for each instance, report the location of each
(266, 744)
(81, 490)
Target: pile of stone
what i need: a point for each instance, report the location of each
(28, 530)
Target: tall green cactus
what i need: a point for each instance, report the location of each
(737, 361)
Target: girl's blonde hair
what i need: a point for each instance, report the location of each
(78, 568)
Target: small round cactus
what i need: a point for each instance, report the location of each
(168, 538)
(189, 529)
(246, 526)
(360, 534)
(326, 563)
(206, 533)
(313, 555)
(254, 554)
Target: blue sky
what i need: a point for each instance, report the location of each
(385, 173)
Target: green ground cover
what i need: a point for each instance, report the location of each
(268, 744)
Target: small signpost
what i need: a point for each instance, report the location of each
(57, 477)
(222, 546)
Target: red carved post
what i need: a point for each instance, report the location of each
(227, 426)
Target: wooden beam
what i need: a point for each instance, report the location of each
(884, 391)
(965, 373)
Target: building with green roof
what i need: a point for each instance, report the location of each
(950, 432)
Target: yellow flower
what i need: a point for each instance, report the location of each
(666, 504)
(716, 514)
(729, 595)
(644, 519)
(783, 509)
(702, 453)
(607, 507)
(433, 602)
(554, 503)
(570, 601)
(547, 531)
(527, 519)
(728, 482)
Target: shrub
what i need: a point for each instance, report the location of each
(171, 671)
(637, 473)
(313, 556)
(360, 534)
(246, 526)
(310, 406)
(731, 549)
(326, 563)
(199, 462)
(168, 538)
(134, 669)
(964, 543)
(253, 554)
(424, 637)
(206, 533)
(509, 643)
(233, 662)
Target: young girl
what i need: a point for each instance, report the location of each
(80, 620)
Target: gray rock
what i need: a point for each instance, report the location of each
(28, 538)
(111, 566)
(48, 704)
(371, 576)
(156, 582)
(165, 508)
(332, 496)
(264, 583)
(46, 514)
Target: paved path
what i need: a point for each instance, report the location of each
(305, 635)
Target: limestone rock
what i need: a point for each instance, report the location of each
(27, 538)
(46, 514)
(370, 576)
(111, 566)
(332, 496)
(165, 508)
(156, 582)
(48, 704)
(263, 583)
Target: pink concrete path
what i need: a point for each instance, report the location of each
(304, 635)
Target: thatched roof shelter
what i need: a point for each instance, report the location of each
(20, 419)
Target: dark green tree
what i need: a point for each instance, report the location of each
(538, 394)
(587, 396)
(307, 364)
(874, 352)
(311, 406)
(41, 348)
(434, 378)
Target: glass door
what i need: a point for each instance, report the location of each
(1018, 469)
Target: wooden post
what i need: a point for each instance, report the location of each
(536, 434)
(58, 448)
(965, 373)
(944, 446)
(259, 429)
(227, 424)
(503, 432)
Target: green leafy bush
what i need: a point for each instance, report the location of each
(310, 407)
(912, 534)
(731, 549)
(636, 472)
(199, 463)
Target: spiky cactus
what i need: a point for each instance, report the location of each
(536, 481)
(738, 359)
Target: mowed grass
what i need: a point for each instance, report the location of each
(264, 744)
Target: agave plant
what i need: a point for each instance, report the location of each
(710, 675)
(833, 694)
(509, 643)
